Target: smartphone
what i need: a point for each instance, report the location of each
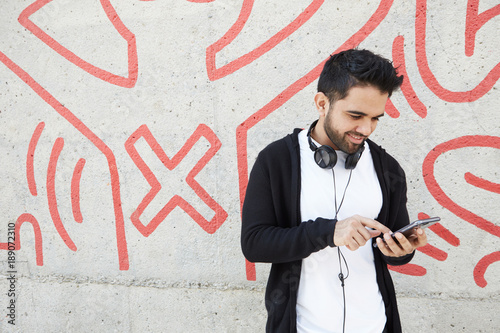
(408, 229)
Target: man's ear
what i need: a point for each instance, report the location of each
(321, 102)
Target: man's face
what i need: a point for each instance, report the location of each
(349, 121)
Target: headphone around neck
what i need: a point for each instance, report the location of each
(326, 157)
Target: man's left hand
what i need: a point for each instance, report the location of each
(403, 246)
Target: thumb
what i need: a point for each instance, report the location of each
(374, 232)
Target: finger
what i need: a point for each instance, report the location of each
(383, 248)
(404, 243)
(361, 237)
(393, 246)
(374, 233)
(373, 224)
(420, 239)
(352, 245)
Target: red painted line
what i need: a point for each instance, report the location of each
(30, 171)
(75, 190)
(428, 77)
(215, 73)
(398, 55)
(409, 269)
(92, 137)
(104, 75)
(482, 183)
(51, 194)
(481, 267)
(433, 252)
(445, 234)
(474, 22)
(284, 96)
(391, 110)
(17, 236)
(438, 193)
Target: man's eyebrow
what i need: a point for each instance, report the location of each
(359, 113)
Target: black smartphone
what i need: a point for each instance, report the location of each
(408, 229)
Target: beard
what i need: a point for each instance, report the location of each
(341, 141)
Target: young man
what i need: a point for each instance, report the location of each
(317, 198)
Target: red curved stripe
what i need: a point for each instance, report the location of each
(104, 75)
(398, 55)
(433, 252)
(30, 171)
(242, 130)
(17, 236)
(215, 73)
(75, 190)
(481, 267)
(428, 77)
(482, 183)
(391, 110)
(51, 193)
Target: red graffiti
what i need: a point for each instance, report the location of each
(423, 63)
(202, 131)
(481, 267)
(443, 199)
(215, 73)
(474, 22)
(398, 54)
(75, 190)
(75, 59)
(30, 172)
(17, 236)
(82, 128)
(51, 194)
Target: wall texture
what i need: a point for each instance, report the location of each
(128, 128)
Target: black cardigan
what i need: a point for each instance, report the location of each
(272, 229)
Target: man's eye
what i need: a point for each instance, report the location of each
(355, 117)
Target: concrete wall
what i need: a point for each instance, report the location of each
(127, 130)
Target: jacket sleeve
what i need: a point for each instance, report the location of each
(270, 230)
(398, 211)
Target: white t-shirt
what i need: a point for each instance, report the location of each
(320, 306)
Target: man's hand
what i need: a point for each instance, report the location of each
(352, 231)
(403, 245)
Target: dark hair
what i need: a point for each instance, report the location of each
(354, 67)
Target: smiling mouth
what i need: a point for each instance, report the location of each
(356, 138)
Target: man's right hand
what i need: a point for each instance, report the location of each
(352, 232)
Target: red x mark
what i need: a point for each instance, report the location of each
(202, 131)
